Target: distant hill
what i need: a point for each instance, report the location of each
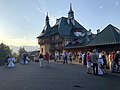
(27, 48)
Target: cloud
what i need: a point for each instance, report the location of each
(101, 7)
(52, 19)
(117, 3)
(39, 10)
(25, 17)
(1, 35)
(20, 41)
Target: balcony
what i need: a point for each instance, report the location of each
(43, 42)
(56, 48)
(55, 41)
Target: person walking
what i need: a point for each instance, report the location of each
(111, 58)
(11, 62)
(104, 61)
(94, 60)
(24, 58)
(65, 57)
(47, 57)
(6, 61)
(100, 64)
(88, 63)
(56, 56)
(40, 59)
(116, 62)
(70, 54)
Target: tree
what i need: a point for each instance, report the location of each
(14, 54)
(4, 52)
(22, 50)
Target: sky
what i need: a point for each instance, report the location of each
(21, 21)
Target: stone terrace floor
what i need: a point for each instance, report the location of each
(57, 76)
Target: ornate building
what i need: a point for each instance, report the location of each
(66, 31)
(108, 39)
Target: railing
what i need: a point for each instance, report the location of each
(43, 42)
(51, 42)
(55, 41)
(57, 48)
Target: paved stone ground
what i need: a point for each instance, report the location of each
(55, 77)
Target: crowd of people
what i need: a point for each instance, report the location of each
(24, 59)
(96, 62)
(43, 59)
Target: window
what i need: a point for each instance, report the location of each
(57, 37)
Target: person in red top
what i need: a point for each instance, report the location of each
(88, 63)
(47, 57)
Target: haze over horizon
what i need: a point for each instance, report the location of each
(21, 21)
(27, 48)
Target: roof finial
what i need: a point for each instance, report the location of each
(47, 15)
(71, 11)
(70, 7)
(47, 19)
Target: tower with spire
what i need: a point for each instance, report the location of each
(65, 30)
(44, 39)
(47, 27)
(47, 20)
(71, 13)
(71, 16)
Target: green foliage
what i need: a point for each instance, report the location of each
(21, 50)
(4, 52)
(14, 54)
